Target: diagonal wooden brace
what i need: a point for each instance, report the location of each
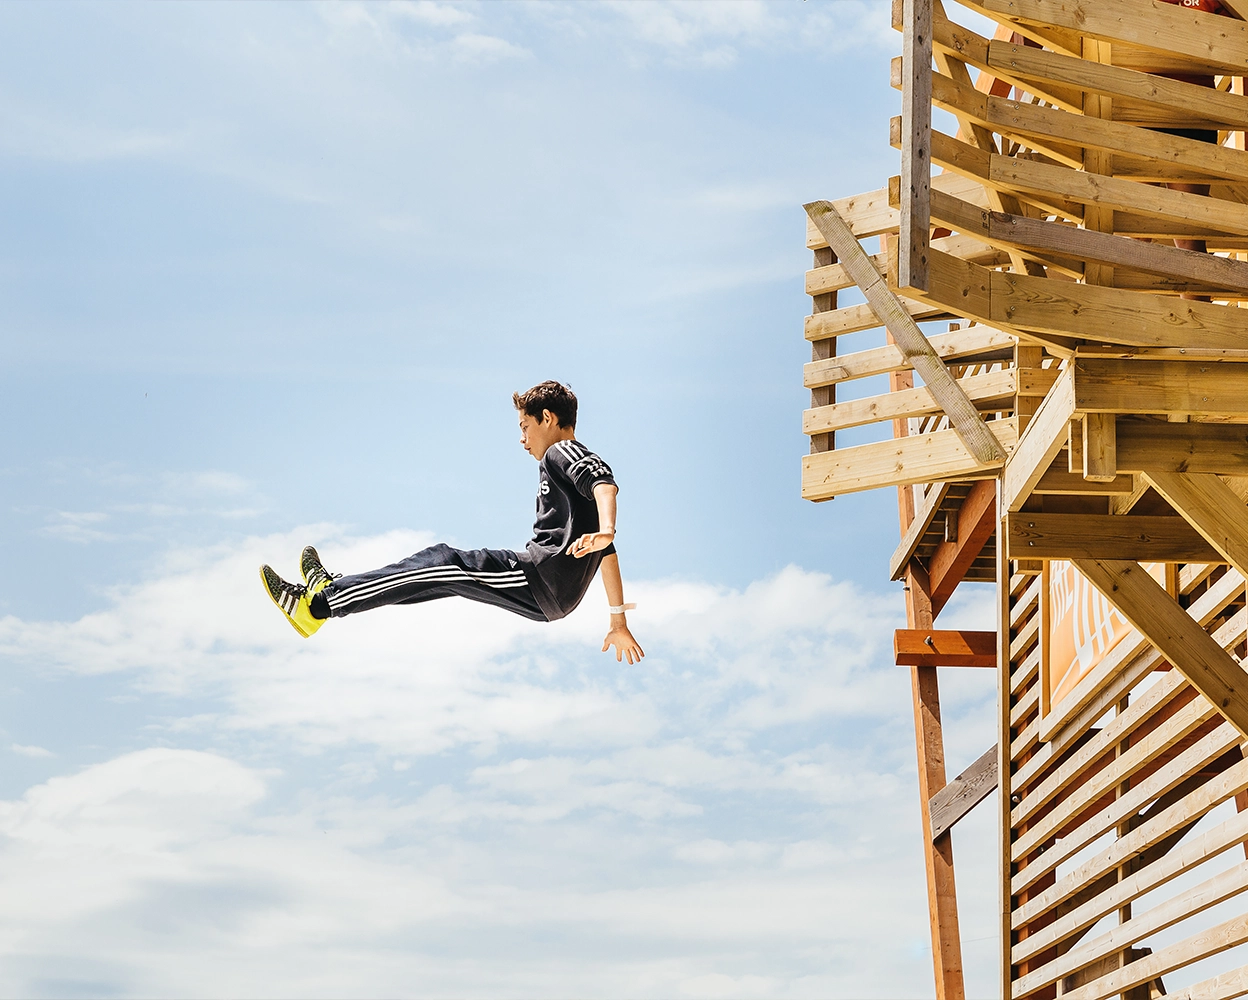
(919, 354)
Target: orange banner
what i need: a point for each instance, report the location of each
(1083, 626)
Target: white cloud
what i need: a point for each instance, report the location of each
(464, 799)
(30, 751)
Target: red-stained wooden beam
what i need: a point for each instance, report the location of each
(977, 519)
(917, 647)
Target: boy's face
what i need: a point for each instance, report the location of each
(538, 435)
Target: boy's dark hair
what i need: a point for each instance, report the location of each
(553, 396)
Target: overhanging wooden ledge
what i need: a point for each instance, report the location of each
(944, 648)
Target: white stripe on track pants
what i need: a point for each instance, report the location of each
(491, 576)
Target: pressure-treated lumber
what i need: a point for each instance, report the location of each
(944, 648)
(855, 319)
(951, 560)
(1108, 385)
(1060, 482)
(1226, 986)
(1189, 648)
(1212, 508)
(920, 458)
(916, 165)
(1100, 450)
(1106, 536)
(913, 535)
(965, 419)
(965, 791)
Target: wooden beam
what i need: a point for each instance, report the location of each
(918, 527)
(1150, 445)
(968, 789)
(1100, 452)
(966, 421)
(944, 648)
(916, 164)
(1211, 508)
(1106, 536)
(948, 565)
(1016, 231)
(921, 458)
(1064, 133)
(1109, 385)
(1188, 647)
(854, 319)
(1206, 39)
(1188, 100)
(938, 851)
(1044, 437)
(1057, 481)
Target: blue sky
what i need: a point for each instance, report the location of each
(271, 273)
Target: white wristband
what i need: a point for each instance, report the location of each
(621, 609)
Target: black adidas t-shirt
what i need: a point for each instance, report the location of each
(565, 510)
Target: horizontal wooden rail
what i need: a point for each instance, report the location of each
(944, 648)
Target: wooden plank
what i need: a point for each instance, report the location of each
(1127, 664)
(1040, 443)
(1197, 899)
(944, 648)
(918, 528)
(1015, 231)
(1183, 858)
(834, 278)
(968, 789)
(1095, 786)
(1050, 184)
(1207, 39)
(1005, 779)
(937, 851)
(1040, 127)
(1188, 100)
(854, 319)
(1225, 986)
(1190, 649)
(916, 164)
(1108, 385)
(1106, 536)
(1212, 508)
(921, 458)
(1100, 452)
(989, 390)
(1204, 944)
(978, 340)
(1059, 482)
(822, 351)
(950, 562)
(1145, 445)
(966, 421)
(1204, 751)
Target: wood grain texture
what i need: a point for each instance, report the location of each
(967, 790)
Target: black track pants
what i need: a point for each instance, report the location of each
(491, 576)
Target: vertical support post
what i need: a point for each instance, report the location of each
(942, 896)
(1005, 761)
(916, 143)
(1100, 447)
(822, 350)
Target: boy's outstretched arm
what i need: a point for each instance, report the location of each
(619, 636)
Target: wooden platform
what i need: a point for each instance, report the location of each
(1056, 285)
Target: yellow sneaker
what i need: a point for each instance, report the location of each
(292, 600)
(315, 576)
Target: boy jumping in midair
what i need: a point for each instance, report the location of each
(573, 535)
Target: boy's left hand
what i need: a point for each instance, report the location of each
(625, 645)
(594, 542)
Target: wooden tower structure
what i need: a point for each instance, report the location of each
(1076, 430)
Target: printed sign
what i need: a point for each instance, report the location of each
(1083, 627)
